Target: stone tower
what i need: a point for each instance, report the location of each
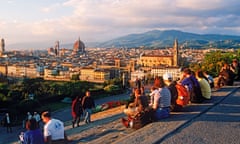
(175, 53)
(56, 49)
(2, 44)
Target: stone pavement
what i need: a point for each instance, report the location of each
(197, 123)
(214, 121)
(63, 114)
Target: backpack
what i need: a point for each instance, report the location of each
(196, 93)
(141, 119)
(183, 95)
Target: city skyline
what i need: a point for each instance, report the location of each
(38, 24)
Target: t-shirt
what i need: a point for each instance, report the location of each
(205, 88)
(55, 129)
(165, 97)
(189, 82)
(33, 137)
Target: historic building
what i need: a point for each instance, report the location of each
(78, 47)
(157, 64)
(94, 75)
(2, 47)
(156, 60)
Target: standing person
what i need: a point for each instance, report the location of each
(161, 101)
(37, 118)
(77, 110)
(53, 131)
(29, 116)
(8, 123)
(88, 104)
(33, 135)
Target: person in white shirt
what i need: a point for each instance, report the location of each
(53, 130)
(8, 123)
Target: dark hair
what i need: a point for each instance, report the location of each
(31, 124)
(201, 74)
(46, 114)
(161, 82)
(187, 71)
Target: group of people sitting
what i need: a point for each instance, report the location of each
(229, 73)
(167, 95)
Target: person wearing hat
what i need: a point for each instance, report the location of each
(53, 131)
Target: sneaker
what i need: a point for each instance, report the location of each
(125, 122)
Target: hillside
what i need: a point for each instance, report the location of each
(157, 38)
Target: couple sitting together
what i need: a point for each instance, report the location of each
(142, 111)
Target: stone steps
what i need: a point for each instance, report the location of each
(107, 127)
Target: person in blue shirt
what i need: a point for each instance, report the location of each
(33, 135)
(191, 83)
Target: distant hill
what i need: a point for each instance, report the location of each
(157, 38)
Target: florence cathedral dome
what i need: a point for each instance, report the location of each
(78, 47)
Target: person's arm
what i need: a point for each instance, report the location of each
(155, 101)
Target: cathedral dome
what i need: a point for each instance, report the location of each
(79, 46)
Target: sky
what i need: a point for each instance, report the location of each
(33, 24)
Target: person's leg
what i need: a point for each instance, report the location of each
(78, 119)
(162, 113)
(86, 115)
(89, 116)
(74, 121)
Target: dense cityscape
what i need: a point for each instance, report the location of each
(96, 64)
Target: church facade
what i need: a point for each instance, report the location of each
(156, 60)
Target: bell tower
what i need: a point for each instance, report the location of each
(175, 54)
(2, 46)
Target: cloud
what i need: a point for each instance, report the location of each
(99, 20)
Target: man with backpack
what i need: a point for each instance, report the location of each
(191, 83)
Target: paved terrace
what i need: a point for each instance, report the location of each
(214, 121)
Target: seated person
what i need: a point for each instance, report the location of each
(133, 108)
(204, 85)
(226, 76)
(137, 112)
(161, 101)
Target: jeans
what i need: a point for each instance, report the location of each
(88, 113)
(162, 113)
